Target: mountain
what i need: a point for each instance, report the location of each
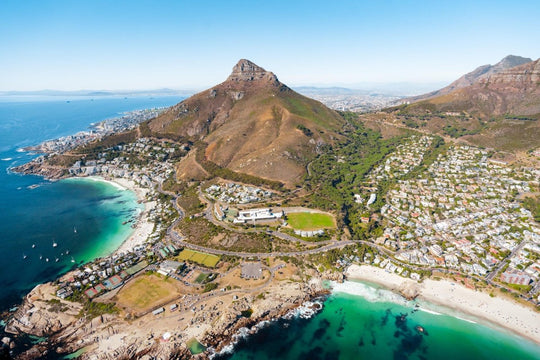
(511, 91)
(251, 123)
(480, 72)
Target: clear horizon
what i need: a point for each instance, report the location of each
(138, 45)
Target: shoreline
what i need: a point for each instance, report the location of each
(490, 311)
(144, 227)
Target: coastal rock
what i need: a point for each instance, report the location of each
(39, 316)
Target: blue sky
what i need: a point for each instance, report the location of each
(69, 45)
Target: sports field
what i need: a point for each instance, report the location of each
(310, 221)
(145, 292)
(200, 258)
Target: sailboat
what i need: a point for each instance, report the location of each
(74, 229)
(54, 244)
(47, 259)
(24, 257)
(72, 259)
(40, 257)
(33, 246)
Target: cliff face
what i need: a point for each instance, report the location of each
(254, 124)
(514, 91)
(480, 72)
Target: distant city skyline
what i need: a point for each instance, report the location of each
(131, 45)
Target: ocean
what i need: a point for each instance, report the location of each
(82, 217)
(363, 321)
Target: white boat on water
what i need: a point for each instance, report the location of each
(54, 244)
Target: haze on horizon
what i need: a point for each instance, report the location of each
(68, 45)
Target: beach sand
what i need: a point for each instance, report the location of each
(475, 305)
(144, 226)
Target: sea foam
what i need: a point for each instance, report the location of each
(369, 293)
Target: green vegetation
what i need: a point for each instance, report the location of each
(92, 309)
(533, 205)
(342, 170)
(201, 279)
(247, 313)
(455, 132)
(210, 286)
(305, 130)
(217, 171)
(310, 221)
(56, 305)
(200, 258)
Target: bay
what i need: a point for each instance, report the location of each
(82, 217)
(373, 323)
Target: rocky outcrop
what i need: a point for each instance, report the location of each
(481, 72)
(245, 70)
(42, 314)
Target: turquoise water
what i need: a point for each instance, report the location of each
(83, 217)
(370, 323)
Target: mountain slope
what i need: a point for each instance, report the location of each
(514, 91)
(480, 72)
(254, 124)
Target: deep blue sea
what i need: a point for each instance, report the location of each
(83, 217)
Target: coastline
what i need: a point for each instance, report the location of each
(503, 313)
(144, 226)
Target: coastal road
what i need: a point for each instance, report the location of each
(517, 249)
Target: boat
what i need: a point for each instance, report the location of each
(54, 244)
(33, 246)
(72, 259)
(420, 329)
(24, 257)
(67, 252)
(74, 229)
(47, 259)
(57, 259)
(40, 257)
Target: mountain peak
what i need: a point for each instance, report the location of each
(510, 61)
(246, 70)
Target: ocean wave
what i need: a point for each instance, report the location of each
(112, 183)
(467, 320)
(429, 311)
(7, 159)
(369, 293)
(305, 311)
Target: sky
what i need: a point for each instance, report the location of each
(111, 45)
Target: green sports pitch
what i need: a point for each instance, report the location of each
(310, 221)
(200, 258)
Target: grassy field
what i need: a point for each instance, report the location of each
(200, 258)
(145, 292)
(310, 221)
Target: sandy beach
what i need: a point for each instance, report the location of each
(144, 226)
(475, 305)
